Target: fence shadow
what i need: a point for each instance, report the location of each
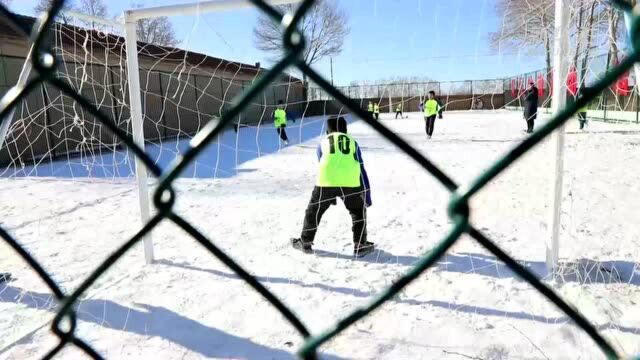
(220, 159)
(154, 321)
(584, 271)
(451, 306)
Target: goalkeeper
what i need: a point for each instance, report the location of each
(280, 122)
(341, 175)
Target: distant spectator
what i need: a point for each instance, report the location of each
(531, 106)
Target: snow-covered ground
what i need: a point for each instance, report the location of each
(189, 306)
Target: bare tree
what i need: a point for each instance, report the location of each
(529, 24)
(5, 3)
(324, 28)
(525, 24)
(158, 31)
(95, 8)
(44, 5)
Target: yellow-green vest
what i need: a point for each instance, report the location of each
(376, 109)
(279, 118)
(431, 107)
(338, 164)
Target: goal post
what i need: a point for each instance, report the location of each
(559, 100)
(130, 17)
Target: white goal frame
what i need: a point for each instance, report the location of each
(127, 23)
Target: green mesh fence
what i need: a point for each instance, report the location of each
(65, 322)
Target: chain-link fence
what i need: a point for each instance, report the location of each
(64, 324)
(619, 102)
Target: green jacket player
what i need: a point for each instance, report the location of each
(280, 122)
(399, 110)
(582, 112)
(431, 110)
(341, 174)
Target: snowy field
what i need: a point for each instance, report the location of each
(189, 306)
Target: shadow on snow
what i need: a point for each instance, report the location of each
(220, 159)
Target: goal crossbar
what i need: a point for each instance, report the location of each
(194, 8)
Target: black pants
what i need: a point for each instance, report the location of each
(430, 122)
(376, 115)
(322, 198)
(582, 116)
(530, 123)
(371, 114)
(399, 113)
(282, 133)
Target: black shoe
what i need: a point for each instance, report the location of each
(304, 247)
(363, 248)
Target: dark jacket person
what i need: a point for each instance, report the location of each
(530, 106)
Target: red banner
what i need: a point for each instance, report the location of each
(572, 81)
(622, 84)
(540, 85)
(514, 84)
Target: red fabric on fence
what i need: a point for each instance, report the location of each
(572, 81)
(622, 84)
(540, 85)
(513, 87)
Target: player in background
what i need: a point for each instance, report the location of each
(399, 110)
(280, 122)
(440, 107)
(341, 175)
(582, 112)
(431, 109)
(376, 111)
(370, 109)
(421, 106)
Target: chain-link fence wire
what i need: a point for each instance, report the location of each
(619, 102)
(64, 323)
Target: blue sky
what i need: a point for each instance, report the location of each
(439, 39)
